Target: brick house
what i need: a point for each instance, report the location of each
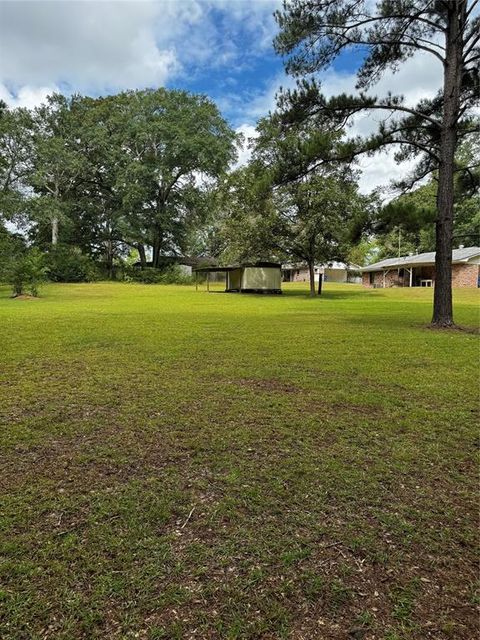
(419, 270)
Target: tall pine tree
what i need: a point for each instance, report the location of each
(313, 33)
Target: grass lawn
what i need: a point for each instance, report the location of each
(189, 465)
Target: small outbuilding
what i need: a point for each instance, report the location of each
(252, 277)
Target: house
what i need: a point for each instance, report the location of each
(419, 270)
(251, 277)
(332, 272)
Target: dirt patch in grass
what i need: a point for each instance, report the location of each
(456, 328)
(309, 399)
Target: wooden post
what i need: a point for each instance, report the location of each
(196, 280)
(320, 281)
(208, 280)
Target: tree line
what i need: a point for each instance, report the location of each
(151, 170)
(106, 174)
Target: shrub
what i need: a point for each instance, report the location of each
(27, 272)
(69, 264)
(12, 246)
(172, 274)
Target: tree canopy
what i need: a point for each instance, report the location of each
(110, 173)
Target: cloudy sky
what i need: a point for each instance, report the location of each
(219, 47)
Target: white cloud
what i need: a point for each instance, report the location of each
(27, 97)
(112, 45)
(380, 170)
(244, 151)
(94, 45)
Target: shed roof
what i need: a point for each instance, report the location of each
(458, 256)
(233, 267)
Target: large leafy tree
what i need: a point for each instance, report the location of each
(309, 220)
(97, 211)
(174, 144)
(16, 151)
(316, 217)
(386, 33)
(130, 169)
(56, 165)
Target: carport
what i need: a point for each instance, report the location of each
(254, 277)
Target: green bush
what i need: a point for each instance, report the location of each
(27, 272)
(12, 246)
(69, 264)
(172, 274)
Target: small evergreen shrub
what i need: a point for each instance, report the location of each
(27, 272)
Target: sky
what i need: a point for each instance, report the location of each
(222, 48)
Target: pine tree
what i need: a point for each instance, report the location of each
(315, 32)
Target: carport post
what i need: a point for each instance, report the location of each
(196, 280)
(320, 280)
(208, 280)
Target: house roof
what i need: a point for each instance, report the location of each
(458, 256)
(333, 264)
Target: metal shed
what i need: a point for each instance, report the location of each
(252, 277)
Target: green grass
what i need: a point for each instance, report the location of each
(178, 464)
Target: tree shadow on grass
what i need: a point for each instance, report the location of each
(328, 294)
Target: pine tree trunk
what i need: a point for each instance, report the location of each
(311, 270)
(442, 300)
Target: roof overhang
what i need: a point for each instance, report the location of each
(234, 267)
(407, 265)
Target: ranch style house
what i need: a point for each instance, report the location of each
(419, 270)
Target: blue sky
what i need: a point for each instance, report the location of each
(219, 47)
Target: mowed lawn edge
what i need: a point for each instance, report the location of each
(180, 464)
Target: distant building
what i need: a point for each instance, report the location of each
(331, 272)
(419, 270)
(186, 264)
